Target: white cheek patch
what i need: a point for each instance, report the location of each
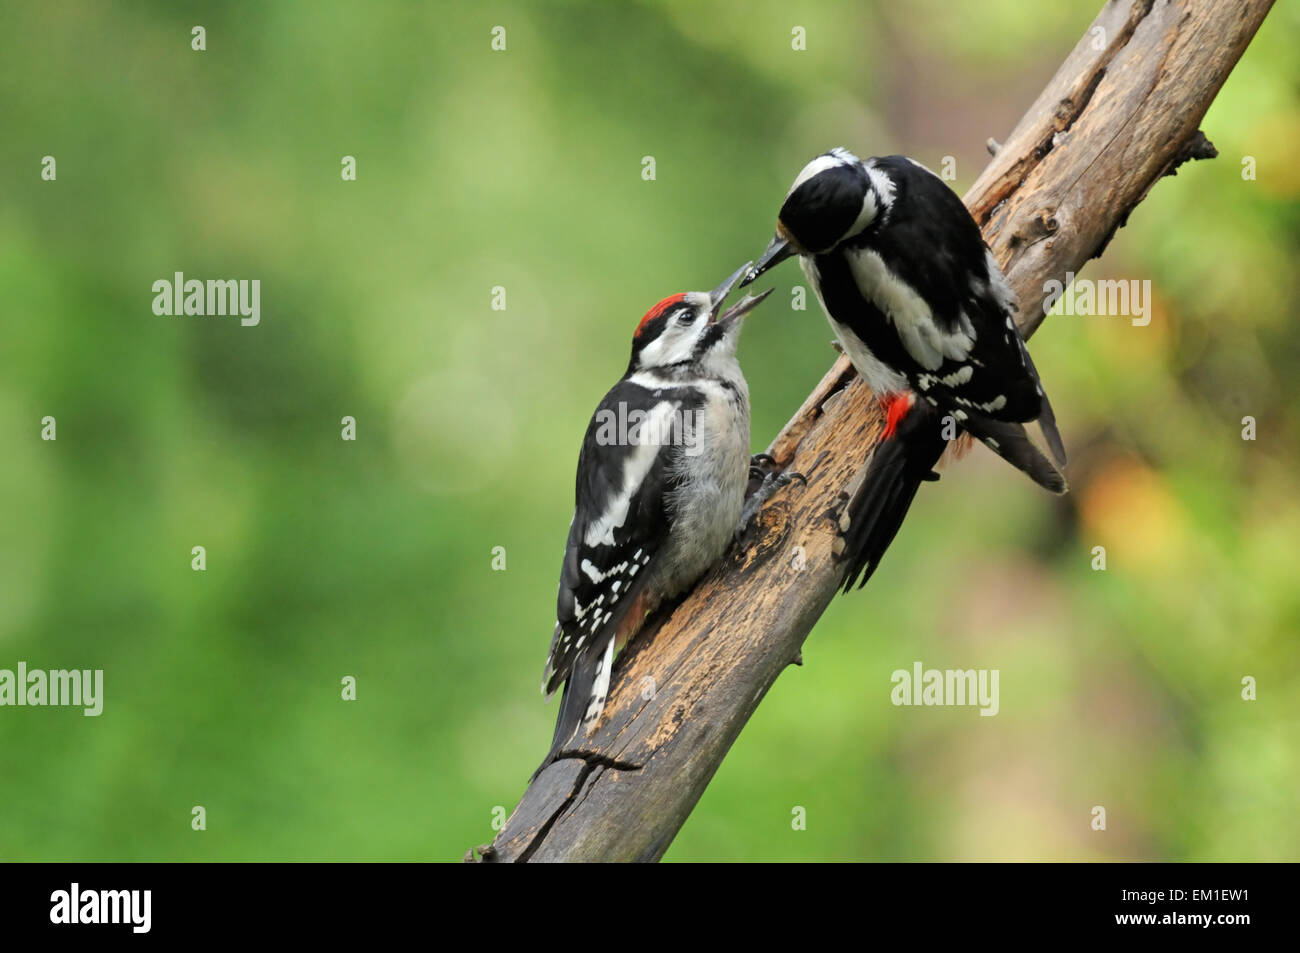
(925, 341)
(659, 420)
(868, 215)
(676, 343)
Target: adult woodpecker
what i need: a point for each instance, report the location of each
(921, 308)
(660, 491)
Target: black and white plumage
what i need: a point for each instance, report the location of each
(927, 318)
(660, 488)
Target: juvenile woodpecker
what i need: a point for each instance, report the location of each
(922, 310)
(660, 491)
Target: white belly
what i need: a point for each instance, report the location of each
(880, 378)
(707, 503)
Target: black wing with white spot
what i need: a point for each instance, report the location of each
(942, 314)
(619, 521)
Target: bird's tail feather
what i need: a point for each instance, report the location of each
(584, 697)
(899, 465)
(1010, 442)
(1046, 416)
(1047, 421)
(573, 703)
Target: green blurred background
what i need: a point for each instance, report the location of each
(522, 169)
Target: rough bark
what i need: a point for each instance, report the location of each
(1122, 111)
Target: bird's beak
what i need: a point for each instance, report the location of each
(742, 308)
(777, 251)
(719, 294)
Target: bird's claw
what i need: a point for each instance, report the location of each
(770, 483)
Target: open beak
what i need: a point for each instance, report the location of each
(719, 294)
(741, 307)
(777, 251)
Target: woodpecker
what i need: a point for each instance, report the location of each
(921, 308)
(661, 485)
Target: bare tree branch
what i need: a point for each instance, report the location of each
(1122, 111)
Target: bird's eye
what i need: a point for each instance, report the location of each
(687, 318)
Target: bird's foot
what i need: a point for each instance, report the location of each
(760, 466)
(769, 482)
(838, 513)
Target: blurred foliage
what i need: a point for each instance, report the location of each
(522, 169)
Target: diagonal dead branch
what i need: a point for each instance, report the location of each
(1122, 112)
